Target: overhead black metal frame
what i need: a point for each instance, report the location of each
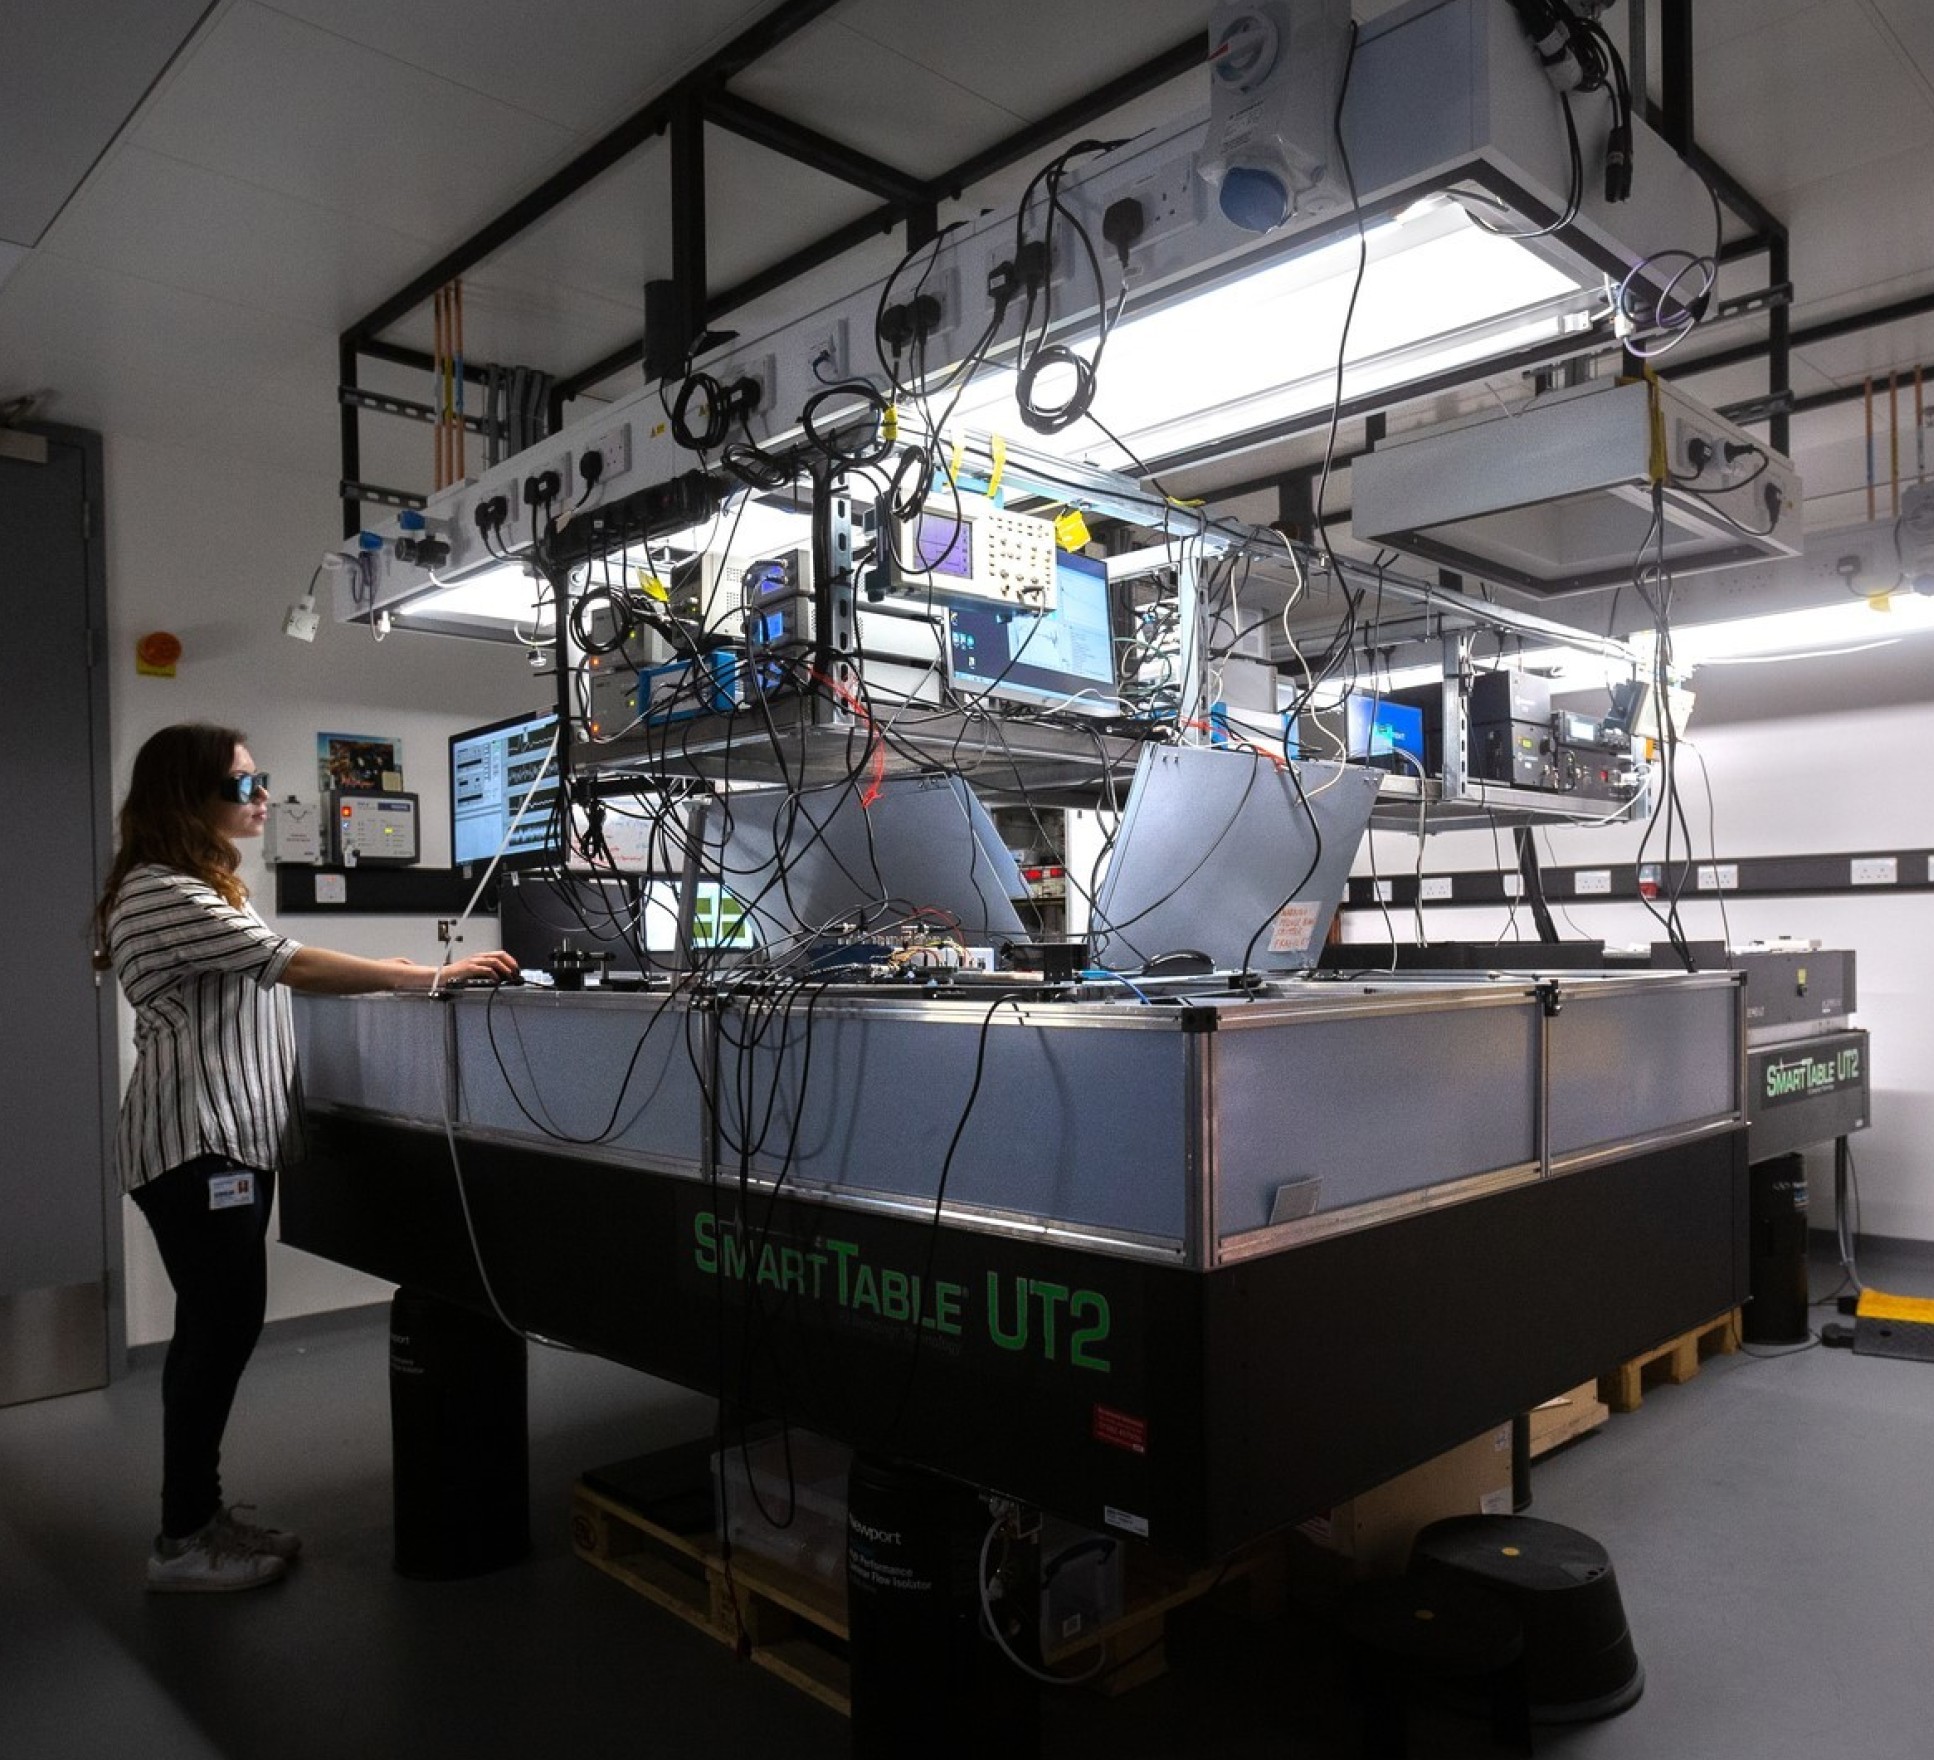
(1674, 120)
(703, 98)
(683, 111)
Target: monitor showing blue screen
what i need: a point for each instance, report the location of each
(492, 770)
(1378, 728)
(1063, 660)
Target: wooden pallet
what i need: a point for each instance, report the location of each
(1675, 1361)
(792, 1624)
(795, 1626)
(1566, 1418)
(1132, 1650)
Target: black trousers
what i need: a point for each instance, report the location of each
(217, 1261)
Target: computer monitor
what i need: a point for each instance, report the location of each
(798, 866)
(492, 771)
(608, 916)
(1064, 659)
(1376, 727)
(1228, 855)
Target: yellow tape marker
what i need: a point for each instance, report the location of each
(1071, 530)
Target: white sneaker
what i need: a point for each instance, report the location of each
(213, 1560)
(276, 1542)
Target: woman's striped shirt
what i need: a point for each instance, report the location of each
(214, 1069)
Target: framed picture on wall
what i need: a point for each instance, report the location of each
(352, 761)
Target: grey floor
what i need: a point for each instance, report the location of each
(1772, 1525)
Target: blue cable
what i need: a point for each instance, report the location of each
(1093, 976)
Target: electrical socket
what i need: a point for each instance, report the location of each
(763, 370)
(826, 353)
(1003, 252)
(1171, 199)
(1685, 434)
(1591, 881)
(1722, 877)
(615, 449)
(943, 286)
(1436, 888)
(1874, 870)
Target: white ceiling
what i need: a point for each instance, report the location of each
(198, 198)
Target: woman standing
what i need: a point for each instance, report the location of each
(213, 1108)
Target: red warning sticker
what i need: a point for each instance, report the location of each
(1119, 1430)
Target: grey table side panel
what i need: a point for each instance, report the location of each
(1372, 1106)
(380, 1053)
(624, 1079)
(1629, 1065)
(1082, 1126)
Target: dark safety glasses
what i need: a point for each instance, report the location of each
(245, 788)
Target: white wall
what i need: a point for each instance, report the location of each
(216, 551)
(1804, 757)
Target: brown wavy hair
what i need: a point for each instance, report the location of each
(166, 818)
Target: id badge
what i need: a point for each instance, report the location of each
(231, 1191)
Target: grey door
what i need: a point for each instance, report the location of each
(59, 1220)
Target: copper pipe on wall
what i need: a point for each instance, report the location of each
(456, 375)
(438, 308)
(1870, 449)
(1920, 432)
(1893, 436)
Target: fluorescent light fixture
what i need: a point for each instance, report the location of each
(506, 593)
(1823, 632)
(747, 529)
(1569, 669)
(1439, 292)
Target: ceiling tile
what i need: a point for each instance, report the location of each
(1861, 231)
(1070, 48)
(1716, 22)
(71, 76)
(1911, 23)
(607, 240)
(760, 207)
(275, 102)
(875, 99)
(1821, 93)
(163, 220)
(585, 65)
